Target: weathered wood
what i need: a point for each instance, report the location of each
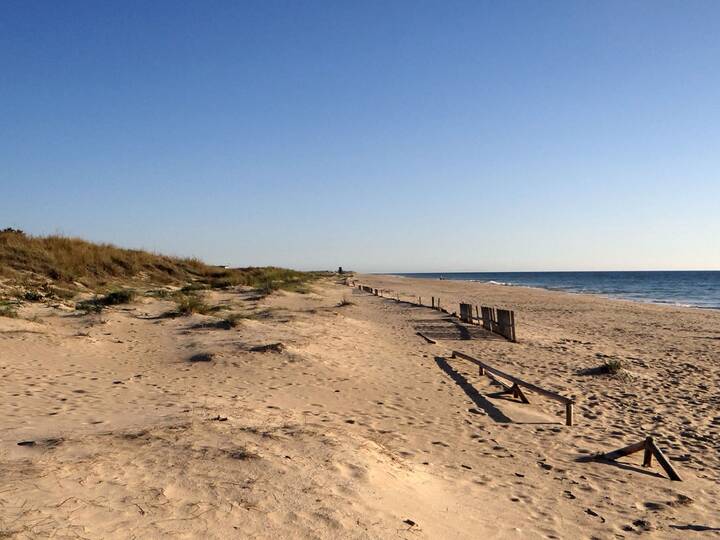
(650, 449)
(505, 323)
(506, 387)
(626, 451)
(520, 383)
(488, 318)
(530, 386)
(647, 456)
(663, 461)
(466, 312)
(429, 340)
(569, 417)
(518, 393)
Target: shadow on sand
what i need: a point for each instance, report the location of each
(477, 398)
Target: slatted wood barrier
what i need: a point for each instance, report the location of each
(488, 317)
(650, 449)
(496, 320)
(505, 323)
(499, 321)
(518, 384)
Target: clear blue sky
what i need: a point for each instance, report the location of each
(381, 136)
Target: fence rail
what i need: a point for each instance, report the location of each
(496, 320)
(522, 384)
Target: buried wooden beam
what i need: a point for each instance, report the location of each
(649, 449)
(429, 340)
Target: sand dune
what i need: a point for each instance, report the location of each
(357, 427)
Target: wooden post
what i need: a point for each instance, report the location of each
(569, 413)
(477, 312)
(647, 457)
(663, 461)
(420, 300)
(650, 449)
(433, 302)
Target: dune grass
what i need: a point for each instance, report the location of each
(115, 298)
(73, 264)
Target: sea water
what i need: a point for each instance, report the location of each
(685, 288)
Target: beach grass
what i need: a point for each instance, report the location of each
(74, 265)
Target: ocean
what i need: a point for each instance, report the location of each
(684, 288)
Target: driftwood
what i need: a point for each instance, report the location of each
(649, 449)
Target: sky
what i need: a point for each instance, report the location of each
(382, 136)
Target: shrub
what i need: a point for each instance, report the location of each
(32, 296)
(345, 302)
(233, 320)
(159, 293)
(187, 304)
(115, 298)
(612, 366)
(8, 311)
(192, 287)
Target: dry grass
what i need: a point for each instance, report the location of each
(187, 304)
(73, 264)
(115, 298)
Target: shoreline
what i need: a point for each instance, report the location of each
(604, 295)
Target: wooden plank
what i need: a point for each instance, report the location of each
(530, 386)
(429, 340)
(488, 318)
(506, 387)
(626, 451)
(663, 461)
(518, 393)
(506, 323)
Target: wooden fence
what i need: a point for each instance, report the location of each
(518, 384)
(496, 320)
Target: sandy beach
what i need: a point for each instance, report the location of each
(135, 425)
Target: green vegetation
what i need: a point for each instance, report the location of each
(115, 298)
(187, 304)
(233, 320)
(612, 366)
(7, 310)
(73, 265)
(33, 296)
